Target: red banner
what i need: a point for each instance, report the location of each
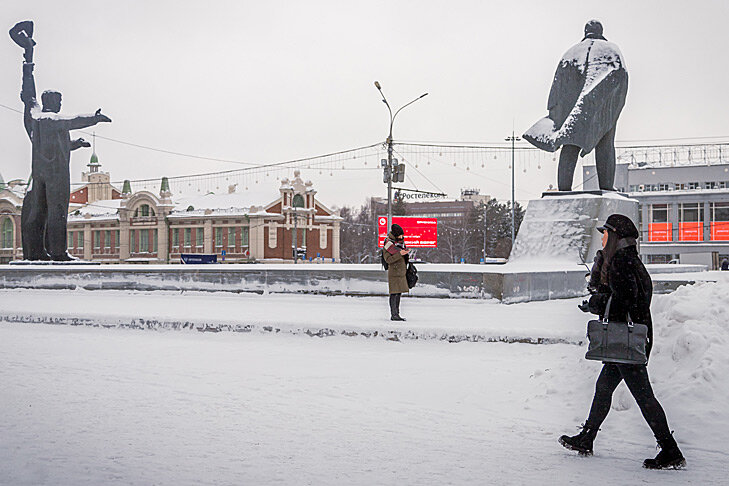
(720, 230)
(660, 232)
(693, 231)
(419, 232)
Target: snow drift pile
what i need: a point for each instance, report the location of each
(690, 363)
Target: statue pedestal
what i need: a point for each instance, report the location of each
(561, 227)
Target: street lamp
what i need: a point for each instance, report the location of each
(512, 139)
(388, 171)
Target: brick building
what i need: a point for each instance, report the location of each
(109, 225)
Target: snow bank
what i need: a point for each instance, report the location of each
(689, 359)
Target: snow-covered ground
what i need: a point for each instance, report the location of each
(83, 405)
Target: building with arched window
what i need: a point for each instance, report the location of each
(122, 226)
(11, 203)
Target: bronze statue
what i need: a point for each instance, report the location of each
(587, 95)
(45, 207)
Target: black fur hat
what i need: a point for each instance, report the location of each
(621, 225)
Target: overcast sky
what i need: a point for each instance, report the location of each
(264, 82)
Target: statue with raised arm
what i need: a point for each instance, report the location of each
(588, 93)
(45, 207)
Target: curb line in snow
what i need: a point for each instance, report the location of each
(141, 323)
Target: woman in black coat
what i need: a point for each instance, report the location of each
(624, 277)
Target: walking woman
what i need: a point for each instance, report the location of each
(396, 256)
(623, 276)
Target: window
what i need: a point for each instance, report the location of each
(154, 241)
(690, 212)
(679, 186)
(175, 237)
(298, 201)
(218, 237)
(199, 234)
(69, 240)
(719, 227)
(188, 236)
(659, 213)
(244, 237)
(107, 239)
(144, 241)
(231, 238)
(7, 233)
(690, 227)
(97, 240)
(144, 210)
(116, 239)
(694, 185)
(720, 211)
(80, 240)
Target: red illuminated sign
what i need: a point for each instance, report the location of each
(419, 232)
(660, 232)
(720, 230)
(690, 231)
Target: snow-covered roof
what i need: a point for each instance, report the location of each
(105, 208)
(234, 200)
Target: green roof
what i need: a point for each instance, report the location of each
(94, 159)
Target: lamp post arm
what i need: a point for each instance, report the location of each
(392, 121)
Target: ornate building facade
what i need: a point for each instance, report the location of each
(109, 225)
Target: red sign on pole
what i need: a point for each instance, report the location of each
(419, 232)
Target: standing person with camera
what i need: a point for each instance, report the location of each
(621, 287)
(396, 256)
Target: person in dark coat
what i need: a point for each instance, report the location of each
(587, 95)
(725, 264)
(396, 256)
(624, 278)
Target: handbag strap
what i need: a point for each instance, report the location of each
(606, 316)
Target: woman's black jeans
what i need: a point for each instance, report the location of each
(636, 377)
(395, 305)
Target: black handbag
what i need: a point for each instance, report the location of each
(411, 275)
(617, 342)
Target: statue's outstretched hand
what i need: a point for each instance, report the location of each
(83, 143)
(102, 118)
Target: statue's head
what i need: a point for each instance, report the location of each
(593, 30)
(51, 101)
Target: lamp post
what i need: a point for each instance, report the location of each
(388, 171)
(512, 139)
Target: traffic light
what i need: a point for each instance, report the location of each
(398, 172)
(385, 175)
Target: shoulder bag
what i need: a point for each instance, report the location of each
(617, 342)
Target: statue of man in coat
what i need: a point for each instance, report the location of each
(587, 96)
(45, 206)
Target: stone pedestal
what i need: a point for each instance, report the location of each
(561, 227)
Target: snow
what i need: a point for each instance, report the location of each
(235, 200)
(84, 405)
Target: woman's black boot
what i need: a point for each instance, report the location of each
(669, 457)
(581, 442)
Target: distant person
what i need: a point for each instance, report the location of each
(725, 264)
(623, 276)
(396, 256)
